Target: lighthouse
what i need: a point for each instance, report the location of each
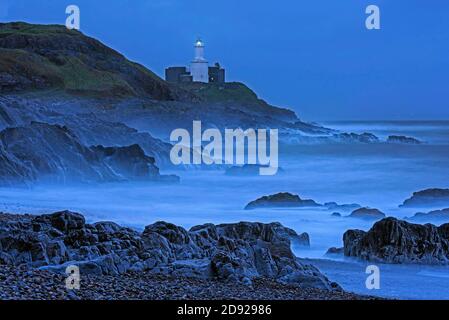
(198, 71)
(199, 67)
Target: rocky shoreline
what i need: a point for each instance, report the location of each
(24, 284)
(229, 261)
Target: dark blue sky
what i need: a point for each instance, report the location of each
(316, 56)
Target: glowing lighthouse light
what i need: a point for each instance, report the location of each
(199, 67)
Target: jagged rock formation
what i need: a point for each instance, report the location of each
(428, 198)
(52, 153)
(231, 252)
(403, 139)
(396, 241)
(367, 213)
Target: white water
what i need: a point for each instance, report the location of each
(377, 175)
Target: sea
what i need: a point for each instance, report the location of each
(379, 175)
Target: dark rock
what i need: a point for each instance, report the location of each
(335, 251)
(396, 241)
(367, 213)
(336, 214)
(64, 221)
(278, 200)
(428, 197)
(230, 252)
(403, 139)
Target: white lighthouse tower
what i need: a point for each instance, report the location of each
(199, 67)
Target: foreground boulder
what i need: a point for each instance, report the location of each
(429, 197)
(230, 252)
(396, 241)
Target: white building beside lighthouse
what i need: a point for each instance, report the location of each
(199, 67)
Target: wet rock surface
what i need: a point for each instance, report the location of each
(237, 252)
(396, 241)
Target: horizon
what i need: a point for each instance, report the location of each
(335, 79)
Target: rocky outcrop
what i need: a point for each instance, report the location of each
(428, 198)
(52, 153)
(403, 139)
(286, 200)
(432, 215)
(283, 199)
(230, 252)
(367, 213)
(396, 241)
